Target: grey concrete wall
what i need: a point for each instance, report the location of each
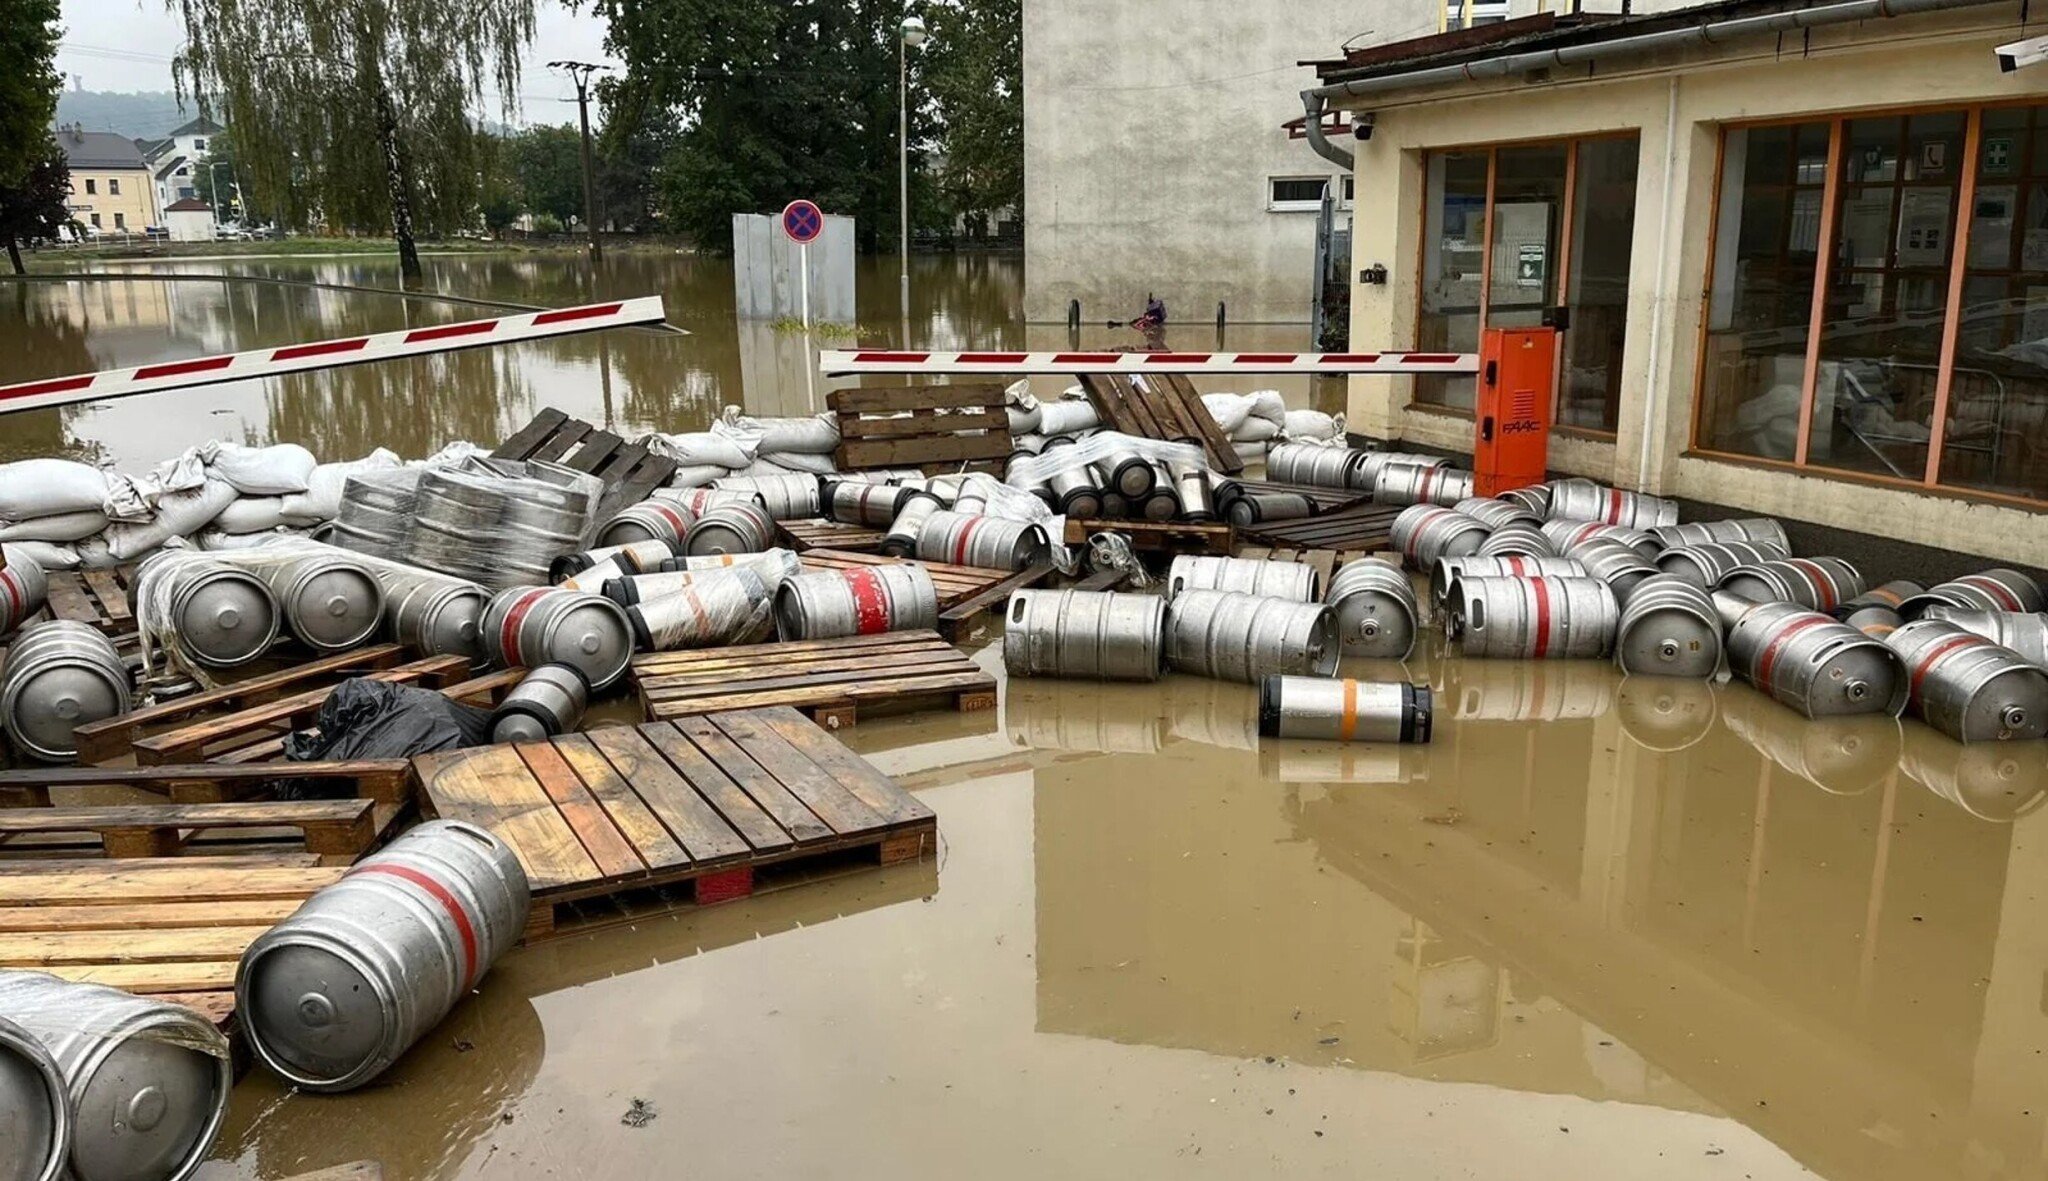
(1150, 132)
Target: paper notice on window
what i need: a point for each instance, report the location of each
(1924, 222)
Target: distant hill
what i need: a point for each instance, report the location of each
(149, 114)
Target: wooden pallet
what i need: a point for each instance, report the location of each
(949, 427)
(1325, 500)
(1161, 406)
(1324, 562)
(704, 801)
(1365, 529)
(1158, 537)
(96, 598)
(629, 470)
(835, 681)
(329, 828)
(384, 781)
(967, 594)
(834, 535)
(173, 927)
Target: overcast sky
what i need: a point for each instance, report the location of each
(126, 45)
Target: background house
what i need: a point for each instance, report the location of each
(189, 220)
(111, 185)
(176, 159)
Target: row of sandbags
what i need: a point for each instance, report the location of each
(740, 445)
(1252, 422)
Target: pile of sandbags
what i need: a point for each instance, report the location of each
(1253, 422)
(739, 445)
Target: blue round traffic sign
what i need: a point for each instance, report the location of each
(803, 221)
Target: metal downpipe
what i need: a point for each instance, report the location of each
(1313, 102)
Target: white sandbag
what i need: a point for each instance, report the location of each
(1256, 430)
(1314, 425)
(817, 434)
(321, 501)
(797, 461)
(61, 527)
(48, 555)
(178, 514)
(456, 453)
(212, 539)
(251, 514)
(94, 553)
(184, 474)
(1269, 405)
(766, 467)
(129, 499)
(701, 447)
(1018, 394)
(1066, 416)
(46, 487)
(264, 471)
(697, 475)
(1250, 452)
(1229, 410)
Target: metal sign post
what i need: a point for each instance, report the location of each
(803, 221)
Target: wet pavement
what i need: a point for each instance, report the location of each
(1598, 929)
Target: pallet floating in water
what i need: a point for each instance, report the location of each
(629, 471)
(836, 681)
(702, 802)
(942, 427)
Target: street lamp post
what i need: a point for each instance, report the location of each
(913, 34)
(213, 175)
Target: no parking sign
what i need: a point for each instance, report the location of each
(803, 221)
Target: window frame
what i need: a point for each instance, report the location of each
(113, 186)
(1824, 265)
(1492, 148)
(1276, 205)
(92, 186)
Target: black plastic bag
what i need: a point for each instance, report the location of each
(364, 719)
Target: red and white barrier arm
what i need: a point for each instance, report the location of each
(327, 354)
(844, 362)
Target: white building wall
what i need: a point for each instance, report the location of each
(1150, 135)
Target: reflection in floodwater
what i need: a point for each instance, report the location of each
(1666, 714)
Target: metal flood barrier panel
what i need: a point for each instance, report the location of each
(767, 281)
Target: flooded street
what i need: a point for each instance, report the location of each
(1599, 929)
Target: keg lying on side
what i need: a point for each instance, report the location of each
(1583, 500)
(1197, 498)
(717, 608)
(331, 602)
(1423, 533)
(1615, 564)
(1875, 612)
(993, 543)
(1344, 710)
(434, 614)
(1496, 512)
(333, 995)
(1705, 565)
(793, 497)
(698, 501)
(1126, 472)
(23, 589)
(2024, 634)
(1968, 687)
(548, 701)
(1534, 497)
(1811, 663)
(650, 520)
(1274, 580)
(1407, 483)
(148, 1079)
(1531, 618)
(1991, 590)
(636, 557)
(1262, 507)
(534, 625)
(35, 1109)
(1076, 491)
(874, 505)
(1817, 584)
(1314, 464)
(1085, 635)
(59, 675)
(1570, 535)
(1377, 616)
(1668, 628)
(901, 539)
(1755, 530)
(1445, 571)
(731, 528)
(1516, 539)
(861, 601)
(775, 566)
(1163, 504)
(217, 614)
(1233, 637)
(1368, 475)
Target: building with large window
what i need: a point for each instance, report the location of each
(1804, 246)
(110, 182)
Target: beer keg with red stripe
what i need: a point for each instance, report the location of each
(1423, 533)
(1276, 580)
(1615, 564)
(1377, 616)
(1583, 500)
(1523, 539)
(1968, 687)
(1367, 476)
(731, 528)
(1336, 710)
(1085, 635)
(1817, 584)
(1570, 535)
(698, 501)
(532, 625)
(1409, 483)
(23, 589)
(1497, 511)
(852, 502)
(2024, 634)
(717, 608)
(1530, 618)
(1990, 590)
(335, 994)
(857, 601)
(1534, 497)
(1755, 530)
(1810, 662)
(1668, 628)
(1314, 464)
(993, 543)
(1445, 571)
(1706, 564)
(650, 520)
(1232, 637)
(774, 566)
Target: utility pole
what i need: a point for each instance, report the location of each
(580, 72)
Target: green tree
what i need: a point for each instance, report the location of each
(773, 99)
(28, 84)
(549, 164)
(34, 210)
(498, 200)
(222, 163)
(976, 75)
(364, 103)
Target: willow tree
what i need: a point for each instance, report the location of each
(356, 112)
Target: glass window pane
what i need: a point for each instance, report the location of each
(1453, 258)
(1528, 205)
(1871, 154)
(1603, 234)
(1761, 302)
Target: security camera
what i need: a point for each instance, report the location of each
(2031, 52)
(1361, 131)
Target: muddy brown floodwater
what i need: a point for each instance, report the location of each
(1600, 929)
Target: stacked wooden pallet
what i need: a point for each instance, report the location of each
(819, 533)
(1362, 529)
(1161, 406)
(629, 470)
(946, 427)
(835, 681)
(1158, 537)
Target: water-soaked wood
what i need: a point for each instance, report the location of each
(836, 678)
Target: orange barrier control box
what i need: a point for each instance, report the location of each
(1511, 428)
